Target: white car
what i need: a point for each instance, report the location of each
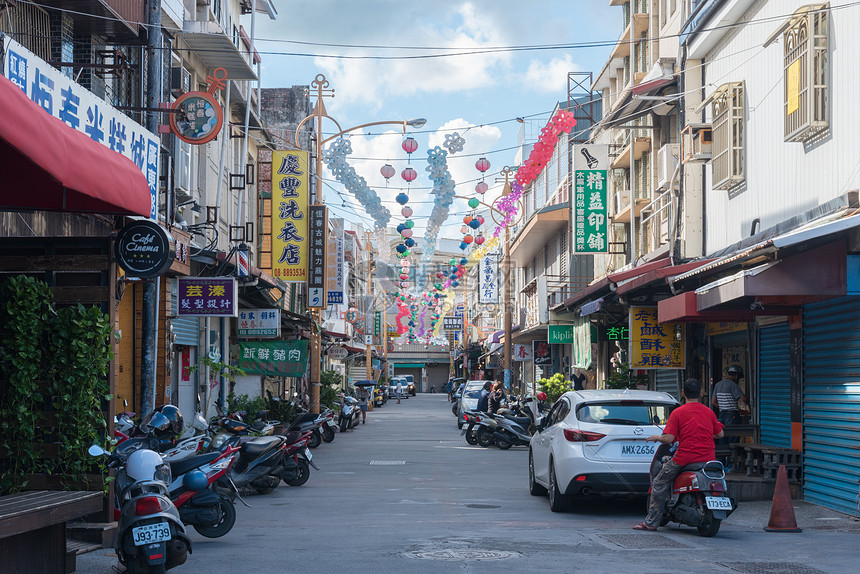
(593, 443)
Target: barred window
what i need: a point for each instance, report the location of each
(806, 72)
(729, 163)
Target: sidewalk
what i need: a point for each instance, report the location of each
(756, 514)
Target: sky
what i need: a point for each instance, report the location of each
(383, 73)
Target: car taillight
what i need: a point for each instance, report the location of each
(582, 436)
(717, 486)
(146, 505)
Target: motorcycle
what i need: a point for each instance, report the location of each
(511, 431)
(699, 495)
(194, 491)
(259, 457)
(312, 423)
(192, 441)
(150, 535)
(297, 459)
(486, 427)
(349, 413)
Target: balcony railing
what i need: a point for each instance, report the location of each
(656, 223)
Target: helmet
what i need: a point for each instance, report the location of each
(735, 370)
(195, 480)
(164, 421)
(541, 396)
(145, 464)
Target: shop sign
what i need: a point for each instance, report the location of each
(275, 358)
(655, 345)
(377, 323)
(560, 334)
(337, 353)
(83, 111)
(318, 233)
(488, 276)
(590, 213)
(199, 117)
(613, 333)
(521, 352)
(144, 249)
(334, 263)
(181, 258)
(208, 297)
(290, 216)
(542, 352)
(452, 323)
(259, 323)
(712, 329)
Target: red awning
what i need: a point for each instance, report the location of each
(47, 165)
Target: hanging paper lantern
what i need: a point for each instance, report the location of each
(440, 274)
(479, 240)
(401, 227)
(406, 211)
(406, 233)
(437, 285)
(409, 224)
(401, 248)
(474, 224)
(452, 261)
(406, 253)
(404, 264)
(455, 283)
(387, 171)
(409, 174)
(402, 198)
(464, 261)
(463, 245)
(480, 219)
(409, 145)
(482, 165)
(464, 229)
(467, 219)
(481, 187)
(404, 277)
(473, 203)
(409, 242)
(468, 239)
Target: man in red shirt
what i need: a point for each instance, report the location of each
(695, 427)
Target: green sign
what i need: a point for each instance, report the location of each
(590, 213)
(276, 358)
(377, 324)
(560, 334)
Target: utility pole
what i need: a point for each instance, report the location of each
(506, 265)
(149, 313)
(368, 310)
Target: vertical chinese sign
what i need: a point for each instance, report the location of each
(590, 215)
(334, 263)
(208, 297)
(488, 277)
(655, 345)
(318, 234)
(290, 215)
(83, 111)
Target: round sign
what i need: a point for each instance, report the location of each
(144, 249)
(198, 119)
(337, 353)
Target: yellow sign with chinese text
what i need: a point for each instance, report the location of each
(655, 345)
(792, 87)
(290, 190)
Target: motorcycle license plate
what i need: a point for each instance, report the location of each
(150, 533)
(331, 423)
(718, 502)
(308, 454)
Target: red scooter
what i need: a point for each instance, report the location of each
(699, 495)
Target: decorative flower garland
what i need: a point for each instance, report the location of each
(335, 159)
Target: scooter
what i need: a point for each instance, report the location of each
(310, 422)
(349, 413)
(192, 441)
(699, 495)
(295, 466)
(150, 535)
(485, 429)
(511, 431)
(194, 491)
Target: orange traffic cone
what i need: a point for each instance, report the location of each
(782, 511)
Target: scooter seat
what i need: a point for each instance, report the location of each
(709, 465)
(258, 446)
(180, 467)
(522, 421)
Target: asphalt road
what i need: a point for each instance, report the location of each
(404, 492)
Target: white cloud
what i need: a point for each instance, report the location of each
(549, 77)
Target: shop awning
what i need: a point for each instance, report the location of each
(47, 165)
(540, 228)
(640, 100)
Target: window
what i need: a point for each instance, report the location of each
(727, 106)
(806, 72)
(625, 413)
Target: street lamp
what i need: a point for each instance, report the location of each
(321, 85)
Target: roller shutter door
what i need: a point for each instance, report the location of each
(774, 368)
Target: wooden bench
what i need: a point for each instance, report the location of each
(33, 529)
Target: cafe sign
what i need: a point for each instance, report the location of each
(144, 249)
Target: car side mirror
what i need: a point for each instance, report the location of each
(656, 420)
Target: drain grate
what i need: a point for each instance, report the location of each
(771, 568)
(642, 541)
(482, 506)
(387, 462)
(465, 554)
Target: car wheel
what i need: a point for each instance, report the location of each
(558, 502)
(535, 489)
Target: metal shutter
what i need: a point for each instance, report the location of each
(831, 403)
(774, 372)
(667, 382)
(186, 329)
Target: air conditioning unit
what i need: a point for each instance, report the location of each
(667, 161)
(696, 142)
(180, 81)
(621, 201)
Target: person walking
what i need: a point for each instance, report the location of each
(725, 397)
(399, 391)
(695, 427)
(495, 398)
(362, 395)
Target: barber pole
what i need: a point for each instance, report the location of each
(242, 265)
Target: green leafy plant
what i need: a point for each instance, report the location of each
(625, 378)
(554, 386)
(251, 405)
(329, 384)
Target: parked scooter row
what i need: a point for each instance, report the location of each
(512, 426)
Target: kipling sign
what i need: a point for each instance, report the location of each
(144, 249)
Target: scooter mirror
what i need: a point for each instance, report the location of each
(96, 450)
(656, 420)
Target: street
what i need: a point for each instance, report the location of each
(404, 492)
